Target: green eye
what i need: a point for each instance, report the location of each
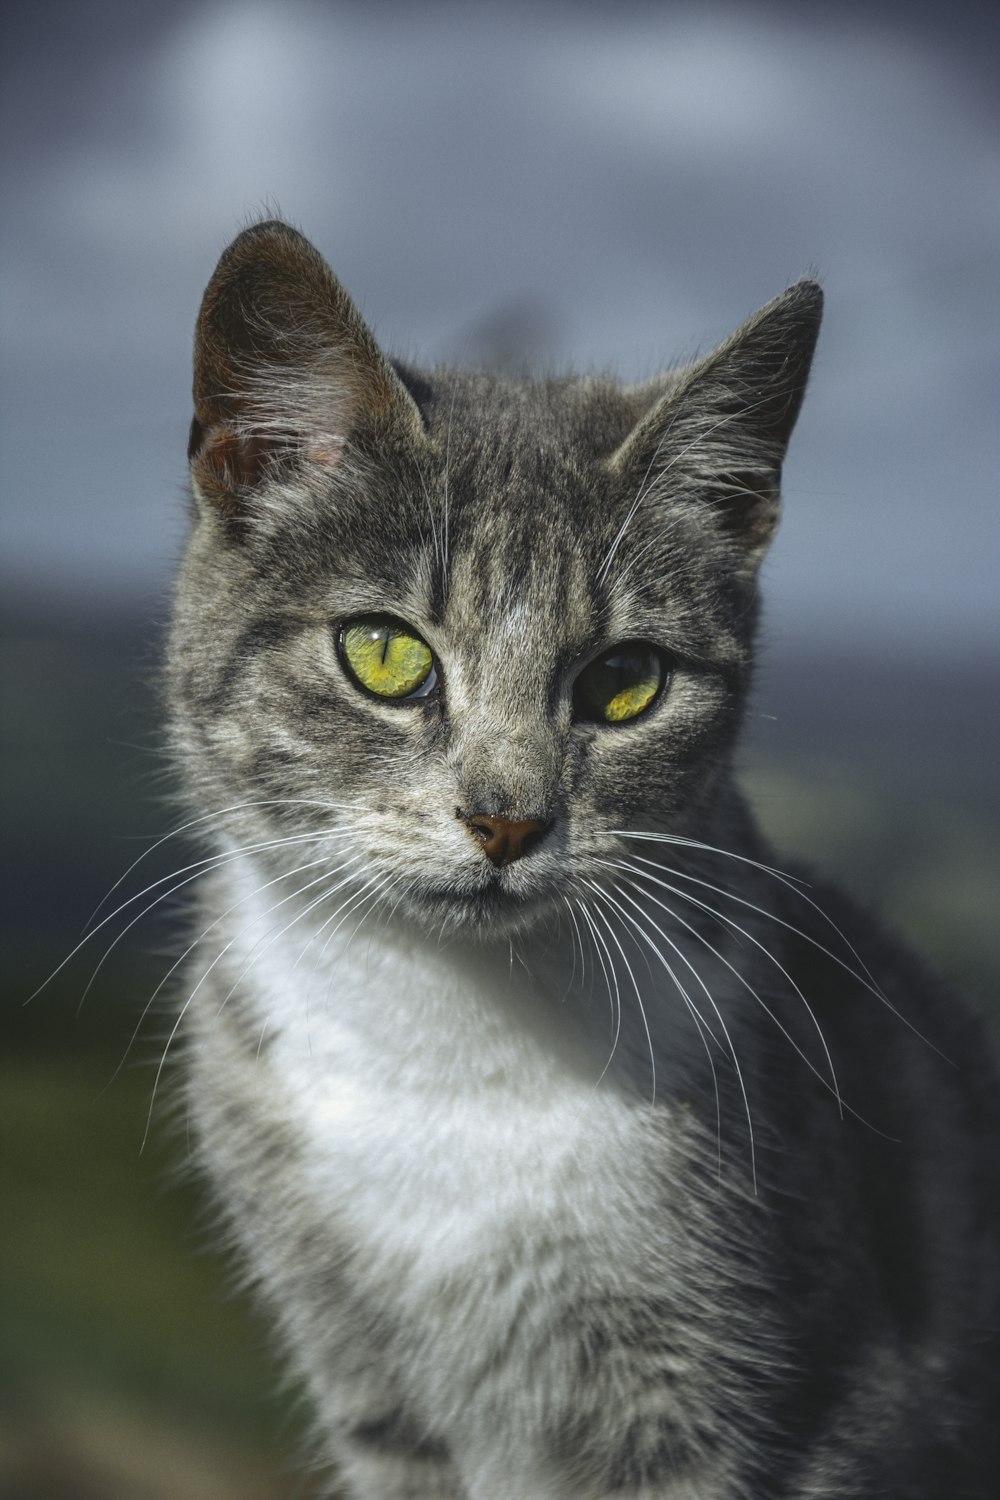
(620, 685)
(385, 657)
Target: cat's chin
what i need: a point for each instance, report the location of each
(489, 912)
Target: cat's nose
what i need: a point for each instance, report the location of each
(504, 839)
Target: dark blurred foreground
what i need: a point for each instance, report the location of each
(128, 1371)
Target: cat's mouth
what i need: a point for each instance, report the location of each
(500, 905)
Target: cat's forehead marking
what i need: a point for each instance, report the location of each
(519, 592)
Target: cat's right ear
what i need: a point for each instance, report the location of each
(285, 371)
(715, 434)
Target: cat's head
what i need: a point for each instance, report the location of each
(459, 631)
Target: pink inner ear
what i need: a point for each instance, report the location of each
(324, 448)
(227, 464)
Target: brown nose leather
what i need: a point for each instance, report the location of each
(505, 839)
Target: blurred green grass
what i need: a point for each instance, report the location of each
(930, 869)
(127, 1368)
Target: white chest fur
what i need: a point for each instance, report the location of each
(440, 1119)
(446, 1104)
(432, 1172)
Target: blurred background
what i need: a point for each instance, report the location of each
(571, 185)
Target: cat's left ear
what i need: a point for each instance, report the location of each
(719, 434)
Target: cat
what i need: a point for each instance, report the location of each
(577, 1150)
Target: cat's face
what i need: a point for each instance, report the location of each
(457, 632)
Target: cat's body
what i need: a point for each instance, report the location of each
(577, 1153)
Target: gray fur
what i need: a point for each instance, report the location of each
(620, 1170)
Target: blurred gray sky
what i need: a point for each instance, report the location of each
(624, 182)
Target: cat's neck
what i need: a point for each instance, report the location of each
(626, 993)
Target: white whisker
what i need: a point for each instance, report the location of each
(204, 976)
(221, 812)
(865, 979)
(193, 945)
(638, 993)
(576, 944)
(832, 1086)
(610, 978)
(699, 1021)
(701, 1025)
(794, 883)
(719, 916)
(199, 866)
